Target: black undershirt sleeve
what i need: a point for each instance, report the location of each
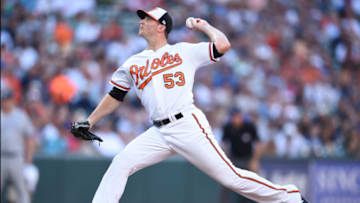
(117, 94)
(216, 53)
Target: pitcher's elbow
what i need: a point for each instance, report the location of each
(227, 46)
(223, 47)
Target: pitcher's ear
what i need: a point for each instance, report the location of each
(161, 28)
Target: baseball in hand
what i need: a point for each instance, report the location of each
(189, 22)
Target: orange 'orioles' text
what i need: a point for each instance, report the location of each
(145, 73)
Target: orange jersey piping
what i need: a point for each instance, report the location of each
(230, 165)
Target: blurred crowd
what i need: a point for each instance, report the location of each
(293, 70)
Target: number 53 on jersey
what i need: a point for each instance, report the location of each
(170, 80)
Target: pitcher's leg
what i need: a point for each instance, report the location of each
(204, 152)
(147, 149)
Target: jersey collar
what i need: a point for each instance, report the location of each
(159, 49)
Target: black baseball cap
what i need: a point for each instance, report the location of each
(158, 14)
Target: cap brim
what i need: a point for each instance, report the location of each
(142, 14)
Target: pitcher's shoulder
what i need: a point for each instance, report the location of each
(188, 45)
(182, 44)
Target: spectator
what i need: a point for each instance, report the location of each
(63, 34)
(62, 90)
(87, 31)
(112, 31)
(290, 143)
(353, 144)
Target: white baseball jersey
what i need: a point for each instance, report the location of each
(164, 78)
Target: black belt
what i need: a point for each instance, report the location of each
(165, 121)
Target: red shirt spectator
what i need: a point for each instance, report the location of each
(112, 31)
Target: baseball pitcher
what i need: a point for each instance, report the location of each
(163, 77)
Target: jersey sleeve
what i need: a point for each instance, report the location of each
(121, 80)
(201, 53)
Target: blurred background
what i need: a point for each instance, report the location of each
(289, 86)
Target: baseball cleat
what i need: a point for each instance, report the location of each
(303, 200)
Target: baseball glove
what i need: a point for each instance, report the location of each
(81, 131)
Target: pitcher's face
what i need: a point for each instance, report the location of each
(148, 27)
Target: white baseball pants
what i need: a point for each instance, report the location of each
(190, 137)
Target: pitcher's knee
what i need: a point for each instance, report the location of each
(125, 162)
(291, 188)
